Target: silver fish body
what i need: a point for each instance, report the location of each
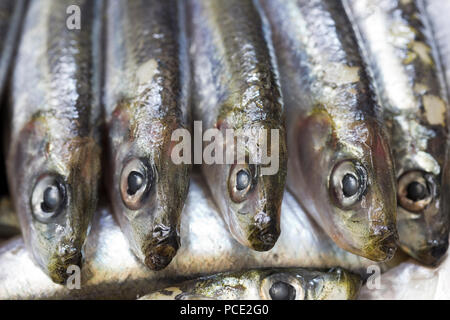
(396, 40)
(340, 166)
(52, 141)
(146, 100)
(266, 284)
(235, 89)
(111, 271)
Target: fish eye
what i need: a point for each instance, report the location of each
(282, 291)
(282, 286)
(415, 190)
(135, 182)
(348, 183)
(241, 181)
(48, 197)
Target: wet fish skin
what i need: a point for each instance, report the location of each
(262, 284)
(401, 54)
(334, 127)
(146, 100)
(52, 149)
(112, 272)
(235, 87)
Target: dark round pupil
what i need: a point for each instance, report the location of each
(242, 180)
(282, 291)
(52, 199)
(349, 185)
(416, 191)
(135, 182)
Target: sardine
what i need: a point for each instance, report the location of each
(396, 39)
(53, 152)
(146, 100)
(111, 271)
(340, 166)
(236, 89)
(266, 284)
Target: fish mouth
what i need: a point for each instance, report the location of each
(58, 266)
(431, 255)
(389, 246)
(263, 237)
(159, 255)
(384, 248)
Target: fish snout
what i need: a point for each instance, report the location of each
(385, 244)
(159, 257)
(389, 247)
(59, 266)
(434, 255)
(162, 248)
(439, 250)
(265, 233)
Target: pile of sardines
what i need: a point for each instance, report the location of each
(98, 97)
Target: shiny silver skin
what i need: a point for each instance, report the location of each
(111, 271)
(334, 128)
(235, 88)
(266, 284)
(146, 100)
(52, 137)
(396, 39)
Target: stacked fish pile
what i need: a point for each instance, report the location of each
(117, 198)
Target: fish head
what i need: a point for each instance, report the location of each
(347, 181)
(423, 208)
(148, 192)
(54, 183)
(303, 284)
(250, 190)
